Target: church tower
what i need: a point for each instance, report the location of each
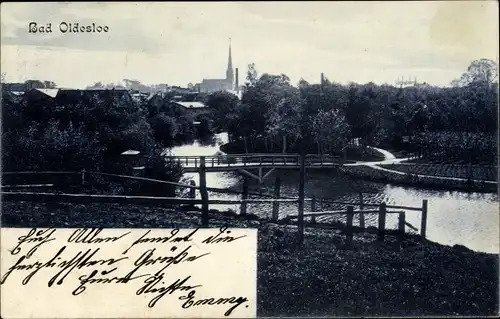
(229, 71)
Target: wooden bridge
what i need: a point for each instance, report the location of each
(245, 162)
(219, 163)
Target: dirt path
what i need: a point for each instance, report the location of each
(390, 158)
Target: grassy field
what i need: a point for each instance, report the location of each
(476, 172)
(321, 277)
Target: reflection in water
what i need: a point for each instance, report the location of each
(469, 219)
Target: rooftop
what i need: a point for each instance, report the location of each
(191, 104)
(131, 152)
(49, 92)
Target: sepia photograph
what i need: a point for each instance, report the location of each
(357, 140)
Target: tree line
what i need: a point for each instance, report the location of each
(90, 132)
(275, 116)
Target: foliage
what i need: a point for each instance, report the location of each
(223, 103)
(331, 131)
(87, 131)
(164, 127)
(479, 72)
(279, 115)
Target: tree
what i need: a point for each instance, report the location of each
(480, 72)
(49, 84)
(284, 115)
(164, 128)
(331, 131)
(223, 103)
(252, 75)
(97, 85)
(34, 84)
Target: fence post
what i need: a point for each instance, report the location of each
(361, 215)
(313, 203)
(276, 204)
(401, 225)
(83, 176)
(203, 192)
(244, 196)
(381, 222)
(423, 225)
(349, 232)
(192, 191)
(300, 222)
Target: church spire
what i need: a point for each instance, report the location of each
(230, 59)
(229, 71)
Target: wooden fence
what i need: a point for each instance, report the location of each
(83, 177)
(381, 211)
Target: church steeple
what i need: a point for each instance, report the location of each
(229, 71)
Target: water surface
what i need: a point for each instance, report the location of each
(469, 219)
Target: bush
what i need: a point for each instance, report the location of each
(87, 134)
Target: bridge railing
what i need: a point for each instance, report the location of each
(237, 160)
(320, 159)
(254, 160)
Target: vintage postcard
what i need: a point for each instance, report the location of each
(249, 159)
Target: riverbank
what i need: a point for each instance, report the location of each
(473, 172)
(388, 176)
(322, 277)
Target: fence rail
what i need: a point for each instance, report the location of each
(382, 212)
(82, 177)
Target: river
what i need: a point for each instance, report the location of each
(469, 219)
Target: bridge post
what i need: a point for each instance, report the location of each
(276, 204)
(423, 222)
(381, 222)
(192, 191)
(203, 192)
(300, 222)
(361, 214)
(349, 230)
(401, 226)
(244, 196)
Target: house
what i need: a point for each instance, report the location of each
(15, 87)
(71, 96)
(195, 109)
(63, 97)
(41, 97)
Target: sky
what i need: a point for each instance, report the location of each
(184, 42)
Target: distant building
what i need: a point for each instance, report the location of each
(138, 96)
(72, 96)
(15, 87)
(402, 83)
(194, 108)
(212, 85)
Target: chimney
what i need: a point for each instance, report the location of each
(236, 81)
(322, 79)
